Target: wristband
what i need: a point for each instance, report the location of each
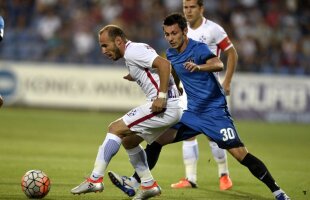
(162, 95)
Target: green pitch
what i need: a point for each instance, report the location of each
(64, 145)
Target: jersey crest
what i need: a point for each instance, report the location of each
(132, 113)
(203, 39)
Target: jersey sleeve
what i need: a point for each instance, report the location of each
(221, 38)
(142, 55)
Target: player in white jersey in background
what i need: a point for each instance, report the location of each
(146, 122)
(207, 31)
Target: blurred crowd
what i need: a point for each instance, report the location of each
(271, 36)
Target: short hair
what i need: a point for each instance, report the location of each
(113, 32)
(199, 2)
(176, 18)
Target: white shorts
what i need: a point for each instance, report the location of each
(150, 125)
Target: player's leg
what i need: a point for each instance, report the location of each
(177, 133)
(149, 128)
(190, 158)
(152, 152)
(129, 185)
(259, 170)
(106, 151)
(220, 128)
(220, 157)
(149, 187)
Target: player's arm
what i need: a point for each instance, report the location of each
(232, 60)
(213, 64)
(177, 80)
(164, 70)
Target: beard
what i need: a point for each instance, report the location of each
(117, 53)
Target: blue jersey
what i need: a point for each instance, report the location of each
(204, 92)
(207, 110)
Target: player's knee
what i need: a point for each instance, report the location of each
(167, 137)
(112, 128)
(239, 153)
(117, 128)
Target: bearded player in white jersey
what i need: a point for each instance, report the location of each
(207, 31)
(146, 122)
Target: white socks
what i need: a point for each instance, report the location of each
(106, 151)
(190, 158)
(191, 154)
(137, 157)
(220, 157)
(138, 160)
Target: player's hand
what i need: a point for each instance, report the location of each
(226, 87)
(159, 104)
(191, 66)
(128, 77)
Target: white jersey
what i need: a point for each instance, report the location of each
(211, 34)
(139, 58)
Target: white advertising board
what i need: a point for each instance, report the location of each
(69, 86)
(253, 96)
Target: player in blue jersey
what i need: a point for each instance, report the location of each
(207, 110)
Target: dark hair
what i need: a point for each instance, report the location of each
(199, 2)
(175, 18)
(113, 32)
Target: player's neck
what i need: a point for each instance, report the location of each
(183, 46)
(196, 23)
(123, 46)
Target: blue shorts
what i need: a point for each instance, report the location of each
(217, 125)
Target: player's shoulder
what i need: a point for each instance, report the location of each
(196, 44)
(212, 25)
(136, 49)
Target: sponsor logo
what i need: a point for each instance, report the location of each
(132, 113)
(8, 83)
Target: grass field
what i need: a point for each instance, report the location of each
(64, 144)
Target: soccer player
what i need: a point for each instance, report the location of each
(148, 121)
(1, 37)
(207, 111)
(1, 28)
(207, 31)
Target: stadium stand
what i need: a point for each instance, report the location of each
(270, 36)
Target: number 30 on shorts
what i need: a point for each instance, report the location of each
(228, 134)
